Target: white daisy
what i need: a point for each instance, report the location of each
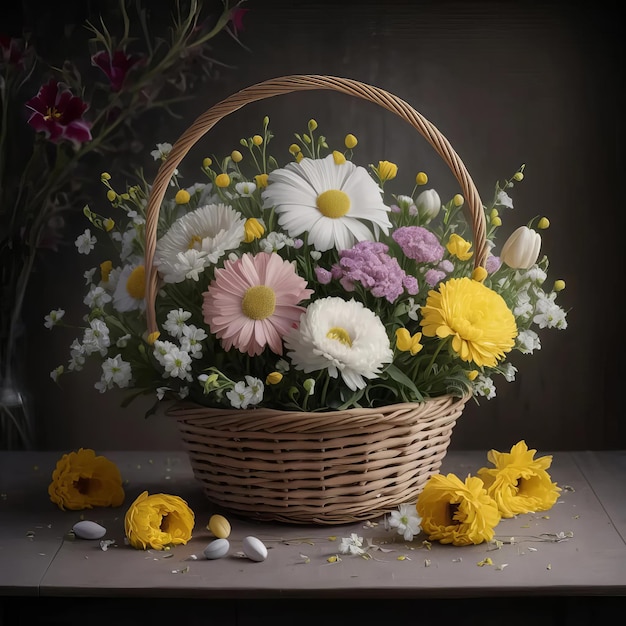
(198, 239)
(342, 337)
(129, 294)
(332, 203)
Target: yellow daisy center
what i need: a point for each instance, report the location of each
(340, 334)
(259, 302)
(136, 283)
(333, 203)
(193, 241)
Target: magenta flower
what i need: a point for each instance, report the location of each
(116, 68)
(368, 263)
(58, 114)
(11, 51)
(419, 244)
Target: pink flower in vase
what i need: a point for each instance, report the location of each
(59, 114)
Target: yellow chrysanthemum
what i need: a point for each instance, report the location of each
(158, 520)
(457, 512)
(519, 483)
(477, 318)
(82, 480)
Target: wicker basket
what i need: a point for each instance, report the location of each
(331, 467)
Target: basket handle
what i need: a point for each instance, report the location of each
(289, 84)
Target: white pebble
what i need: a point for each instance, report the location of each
(217, 549)
(89, 530)
(254, 549)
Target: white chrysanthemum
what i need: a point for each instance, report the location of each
(342, 337)
(196, 240)
(335, 205)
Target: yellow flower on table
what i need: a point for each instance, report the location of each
(82, 480)
(457, 512)
(519, 483)
(158, 520)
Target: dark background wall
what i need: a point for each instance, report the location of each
(507, 83)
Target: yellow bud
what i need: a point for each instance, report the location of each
(222, 180)
(494, 213)
(152, 337)
(458, 200)
(111, 195)
(108, 224)
(472, 374)
(182, 196)
(253, 229)
(105, 176)
(350, 141)
(386, 170)
(261, 180)
(338, 157)
(479, 274)
(496, 221)
(421, 178)
(257, 140)
(312, 125)
(236, 156)
(559, 285)
(299, 157)
(294, 148)
(543, 223)
(518, 176)
(125, 196)
(207, 162)
(273, 378)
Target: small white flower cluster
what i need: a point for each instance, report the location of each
(247, 393)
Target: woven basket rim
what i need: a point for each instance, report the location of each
(184, 407)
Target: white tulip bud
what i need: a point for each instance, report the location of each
(521, 249)
(428, 205)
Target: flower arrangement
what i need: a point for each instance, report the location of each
(309, 286)
(60, 118)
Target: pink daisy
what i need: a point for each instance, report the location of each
(253, 302)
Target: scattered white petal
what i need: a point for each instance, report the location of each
(427, 562)
(501, 566)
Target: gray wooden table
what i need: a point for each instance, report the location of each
(44, 572)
